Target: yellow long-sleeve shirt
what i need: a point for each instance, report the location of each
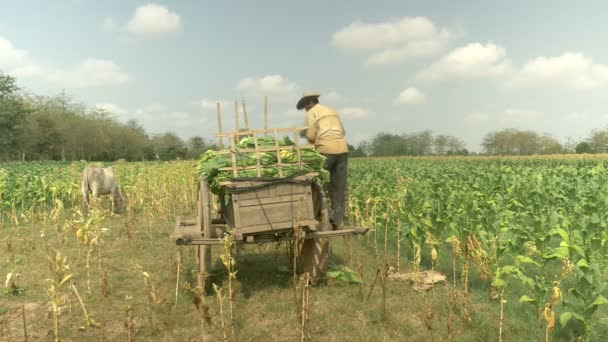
(325, 130)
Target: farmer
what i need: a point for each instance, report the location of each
(324, 129)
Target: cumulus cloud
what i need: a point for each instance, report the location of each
(410, 95)
(111, 108)
(353, 112)
(271, 85)
(91, 72)
(393, 41)
(153, 19)
(474, 60)
(573, 71)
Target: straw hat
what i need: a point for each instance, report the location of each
(305, 97)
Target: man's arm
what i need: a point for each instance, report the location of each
(311, 131)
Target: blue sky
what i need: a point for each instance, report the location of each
(461, 68)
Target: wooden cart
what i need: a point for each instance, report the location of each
(261, 210)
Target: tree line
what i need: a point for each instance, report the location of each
(56, 128)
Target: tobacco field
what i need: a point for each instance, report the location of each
(523, 243)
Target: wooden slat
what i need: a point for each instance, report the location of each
(276, 144)
(296, 141)
(236, 117)
(270, 130)
(257, 155)
(233, 160)
(248, 183)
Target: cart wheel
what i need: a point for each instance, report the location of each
(203, 220)
(315, 252)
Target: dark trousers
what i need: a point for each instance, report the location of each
(337, 165)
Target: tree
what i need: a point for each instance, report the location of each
(598, 140)
(12, 114)
(583, 147)
(512, 141)
(169, 146)
(197, 146)
(440, 142)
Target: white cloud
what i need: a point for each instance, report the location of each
(393, 41)
(111, 108)
(268, 85)
(109, 25)
(411, 50)
(353, 112)
(476, 117)
(573, 71)
(474, 60)
(410, 95)
(89, 73)
(10, 56)
(521, 116)
(153, 19)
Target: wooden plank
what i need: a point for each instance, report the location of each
(270, 214)
(295, 200)
(264, 228)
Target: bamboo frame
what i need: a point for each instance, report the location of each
(234, 138)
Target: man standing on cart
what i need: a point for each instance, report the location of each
(325, 131)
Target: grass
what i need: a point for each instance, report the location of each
(264, 298)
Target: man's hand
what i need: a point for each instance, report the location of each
(303, 133)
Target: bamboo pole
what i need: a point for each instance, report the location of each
(219, 124)
(236, 121)
(245, 115)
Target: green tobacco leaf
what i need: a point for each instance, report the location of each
(563, 234)
(564, 318)
(522, 259)
(526, 299)
(582, 264)
(600, 300)
(603, 320)
(558, 253)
